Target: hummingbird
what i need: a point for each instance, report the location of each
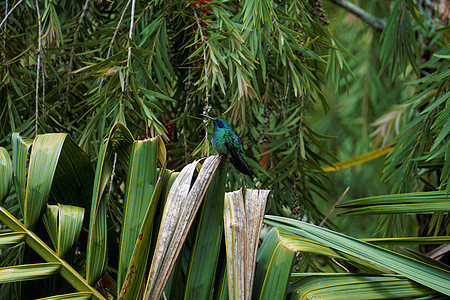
(224, 141)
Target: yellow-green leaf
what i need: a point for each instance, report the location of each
(398, 203)
(358, 160)
(117, 144)
(430, 276)
(41, 248)
(28, 272)
(343, 286)
(63, 222)
(141, 198)
(11, 238)
(20, 147)
(273, 267)
(44, 157)
(72, 296)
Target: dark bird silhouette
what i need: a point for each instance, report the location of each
(225, 141)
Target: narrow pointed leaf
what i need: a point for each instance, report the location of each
(141, 183)
(72, 296)
(343, 286)
(132, 284)
(358, 160)
(406, 198)
(422, 240)
(398, 203)
(398, 209)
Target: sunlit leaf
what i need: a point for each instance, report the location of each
(72, 296)
(11, 238)
(357, 160)
(28, 272)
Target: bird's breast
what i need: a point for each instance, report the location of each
(218, 141)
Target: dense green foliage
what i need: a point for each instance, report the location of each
(302, 89)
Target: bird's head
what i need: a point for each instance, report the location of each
(218, 122)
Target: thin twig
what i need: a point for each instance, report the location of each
(72, 51)
(374, 22)
(188, 99)
(117, 29)
(114, 38)
(43, 89)
(39, 52)
(6, 8)
(4, 41)
(130, 36)
(206, 107)
(334, 206)
(149, 4)
(9, 12)
(340, 265)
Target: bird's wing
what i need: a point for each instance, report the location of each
(237, 155)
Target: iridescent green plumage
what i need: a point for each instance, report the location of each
(225, 141)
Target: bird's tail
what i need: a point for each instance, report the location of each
(240, 165)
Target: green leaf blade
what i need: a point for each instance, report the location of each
(6, 174)
(427, 275)
(44, 158)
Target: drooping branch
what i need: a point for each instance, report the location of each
(206, 107)
(39, 53)
(374, 22)
(130, 36)
(9, 12)
(111, 44)
(75, 40)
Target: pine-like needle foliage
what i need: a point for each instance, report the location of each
(157, 65)
(278, 71)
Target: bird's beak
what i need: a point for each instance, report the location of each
(207, 116)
